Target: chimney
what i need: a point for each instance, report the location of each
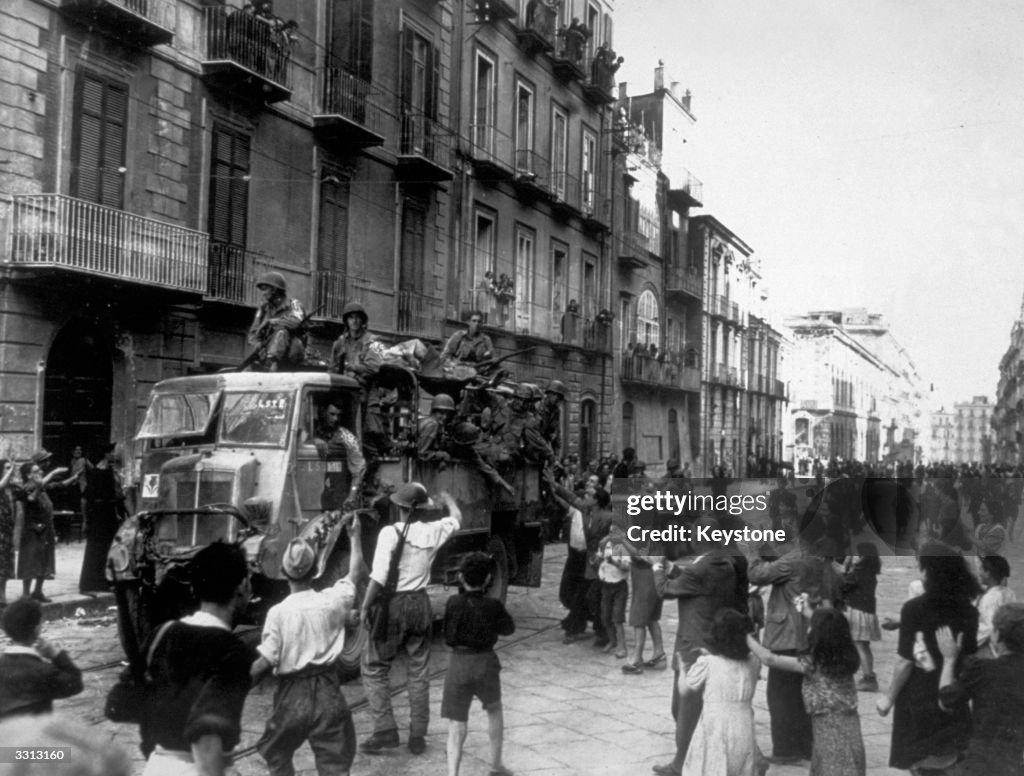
(673, 89)
(659, 76)
(622, 90)
(686, 100)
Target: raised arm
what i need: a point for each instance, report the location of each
(770, 659)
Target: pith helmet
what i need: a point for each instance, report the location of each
(412, 495)
(442, 402)
(558, 388)
(354, 308)
(273, 280)
(298, 559)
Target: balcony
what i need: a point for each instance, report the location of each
(597, 336)
(689, 194)
(53, 231)
(567, 58)
(685, 280)
(533, 175)
(537, 35)
(595, 209)
(142, 23)
(566, 191)
(233, 272)
(632, 250)
(246, 54)
(779, 389)
(491, 153)
(599, 87)
(350, 114)
(332, 290)
(665, 371)
(490, 11)
(419, 314)
(424, 151)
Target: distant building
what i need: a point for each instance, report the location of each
(963, 435)
(1008, 413)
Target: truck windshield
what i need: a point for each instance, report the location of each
(178, 415)
(257, 418)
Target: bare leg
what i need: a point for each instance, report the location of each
(656, 641)
(3, 590)
(639, 637)
(496, 733)
(620, 637)
(867, 660)
(456, 738)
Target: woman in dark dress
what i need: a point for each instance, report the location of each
(6, 528)
(923, 734)
(104, 509)
(34, 531)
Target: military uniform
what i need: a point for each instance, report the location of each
(341, 443)
(471, 349)
(357, 357)
(277, 330)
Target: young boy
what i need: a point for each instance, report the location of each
(32, 671)
(302, 638)
(614, 573)
(472, 624)
(994, 572)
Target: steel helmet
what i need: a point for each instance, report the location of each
(558, 388)
(524, 391)
(273, 280)
(354, 308)
(465, 433)
(442, 402)
(538, 394)
(412, 495)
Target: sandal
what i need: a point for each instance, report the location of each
(633, 668)
(658, 661)
(621, 654)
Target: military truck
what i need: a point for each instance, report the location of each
(233, 457)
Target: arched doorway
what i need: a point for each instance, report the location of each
(77, 391)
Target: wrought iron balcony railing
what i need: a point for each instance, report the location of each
(533, 173)
(664, 370)
(233, 272)
(139, 22)
(419, 313)
(245, 51)
(425, 149)
(685, 280)
(491, 151)
(351, 110)
(54, 230)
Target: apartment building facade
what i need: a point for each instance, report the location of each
(1008, 413)
(163, 154)
(963, 435)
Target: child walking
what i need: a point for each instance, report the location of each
(472, 624)
(723, 742)
(614, 575)
(860, 582)
(995, 570)
(830, 695)
(303, 637)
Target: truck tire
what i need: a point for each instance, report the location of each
(499, 584)
(133, 619)
(355, 638)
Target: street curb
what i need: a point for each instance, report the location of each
(58, 610)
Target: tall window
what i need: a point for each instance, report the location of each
(99, 139)
(413, 256)
(628, 425)
(525, 241)
(594, 25)
(673, 435)
(352, 37)
(588, 430)
(559, 150)
(229, 186)
(484, 90)
(647, 319)
(589, 286)
(559, 276)
(524, 125)
(332, 247)
(627, 332)
(420, 77)
(484, 248)
(589, 170)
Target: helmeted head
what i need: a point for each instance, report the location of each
(272, 284)
(465, 433)
(298, 560)
(557, 388)
(474, 320)
(443, 403)
(412, 497)
(355, 317)
(523, 395)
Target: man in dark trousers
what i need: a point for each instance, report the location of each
(701, 584)
(278, 328)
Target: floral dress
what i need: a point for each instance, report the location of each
(832, 704)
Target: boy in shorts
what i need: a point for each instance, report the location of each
(472, 624)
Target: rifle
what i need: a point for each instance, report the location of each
(487, 366)
(257, 352)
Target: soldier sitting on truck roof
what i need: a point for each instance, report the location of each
(471, 346)
(278, 330)
(356, 353)
(432, 434)
(335, 442)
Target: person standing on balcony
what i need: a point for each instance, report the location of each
(278, 330)
(356, 353)
(471, 346)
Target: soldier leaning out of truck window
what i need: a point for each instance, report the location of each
(333, 442)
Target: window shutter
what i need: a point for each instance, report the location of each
(433, 79)
(99, 140)
(229, 191)
(115, 116)
(333, 239)
(407, 65)
(364, 36)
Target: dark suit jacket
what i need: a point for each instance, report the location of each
(29, 683)
(791, 575)
(702, 586)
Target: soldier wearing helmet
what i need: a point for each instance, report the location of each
(278, 330)
(471, 346)
(356, 353)
(467, 444)
(411, 544)
(550, 413)
(432, 435)
(521, 436)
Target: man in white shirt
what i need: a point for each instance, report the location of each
(303, 636)
(416, 543)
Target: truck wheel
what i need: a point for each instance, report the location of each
(133, 619)
(355, 638)
(499, 585)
